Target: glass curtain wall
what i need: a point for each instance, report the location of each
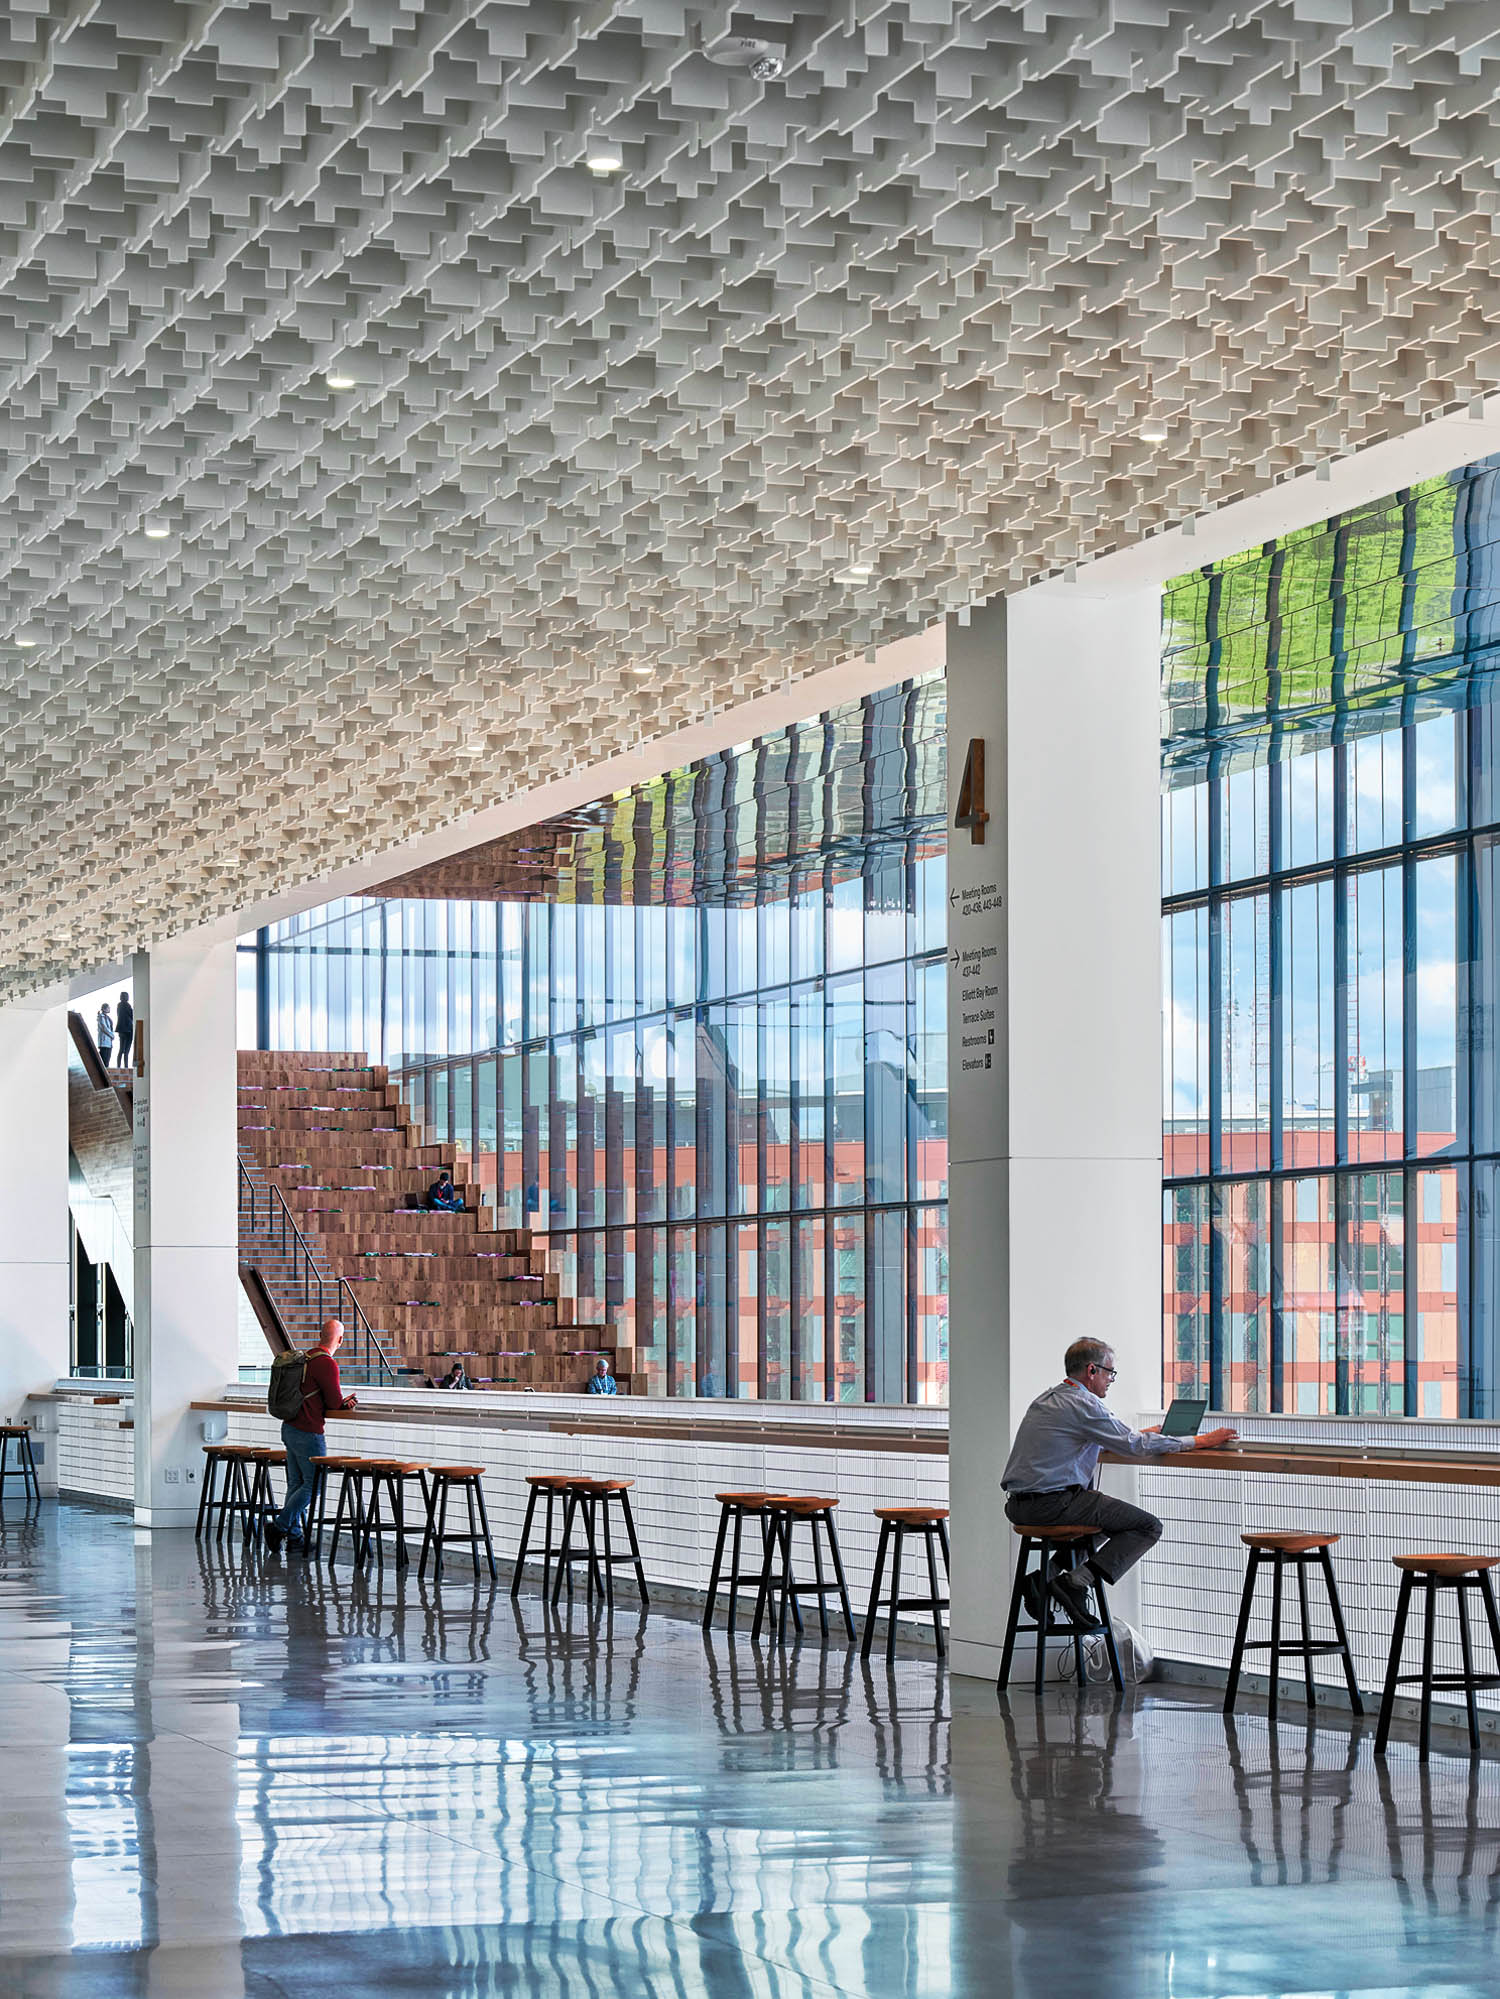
(728, 1115)
(1331, 965)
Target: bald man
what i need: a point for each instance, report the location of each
(303, 1435)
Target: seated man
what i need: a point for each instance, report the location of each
(601, 1381)
(1048, 1478)
(455, 1377)
(442, 1196)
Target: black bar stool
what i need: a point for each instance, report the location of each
(553, 1484)
(1278, 1548)
(1461, 1574)
(441, 1480)
(346, 1470)
(782, 1514)
(220, 1505)
(896, 1522)
(24, 1468)
(1056, 1550)
(587, 1501)
(737, 1507)
(387, 1476)
(258, 1504)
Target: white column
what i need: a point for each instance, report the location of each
(186, 1219)
(1055, 1140)
(34, 1277)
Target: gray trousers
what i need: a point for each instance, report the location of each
(1125, 1532)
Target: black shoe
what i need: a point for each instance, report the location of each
(1072, 1592)
(274, 1537)
(1031, 1596)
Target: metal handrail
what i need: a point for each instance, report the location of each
(279, 1223)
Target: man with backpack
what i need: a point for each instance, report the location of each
(304, 1387)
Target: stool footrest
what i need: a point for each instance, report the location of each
(1312, 1647)
(1449, 1681)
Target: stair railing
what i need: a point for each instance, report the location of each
(266, 1211)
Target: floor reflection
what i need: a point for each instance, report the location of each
(232, 1778)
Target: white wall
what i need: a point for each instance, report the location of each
(34, 1274)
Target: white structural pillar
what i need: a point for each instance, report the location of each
(35, 1291)
(186, 1215)
(1054, 1039)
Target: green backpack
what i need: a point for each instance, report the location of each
(286, 1394)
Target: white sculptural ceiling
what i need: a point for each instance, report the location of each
(403, 400)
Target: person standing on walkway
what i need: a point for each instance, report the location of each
(104, 1035)
(303, 1435)
(1048, 1478)
(125, 1028)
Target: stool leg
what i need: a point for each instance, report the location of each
(635, 1550)
(1393, 1664)
(564, 1549)
(1424, 1740)
(1106, 1618)
(1241, 1631)
(28, 1461)
(440, 1539)
(1080, 1671)
(1275, 1690)
(818, 1577)
(1467, 1646)
(1007, 1652)
(1486, 1590)
(484, 1528)
(398, 1515)
(1336, 1610)
(1044, 1627)
(226, 1502)
(718, 1563)
(788, 1580)
(763, 1592)
(937, 1621)
(591, 1532)
(609, 1554)
(838, 1570)
(346, 1497)
(734, 1561)
(1307, 1637)
(205, 1497)
(898, 1549)
(4, 1462)
(868, 1639)
(515, 1581)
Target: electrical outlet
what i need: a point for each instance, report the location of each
(192, 1476)
(172, 1477)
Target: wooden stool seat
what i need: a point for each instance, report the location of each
(777, 1580)
(1445, 1565)
(555, 1479)
(749, 1500)
(896, 1522)
(440, 1482)
(587, 1503)
(1301, 1549)
(1056, 1551)
(1464, 1575)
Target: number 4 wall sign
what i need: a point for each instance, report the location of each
(971, 812)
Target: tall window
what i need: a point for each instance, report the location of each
(710, 1065)
(1331, 965)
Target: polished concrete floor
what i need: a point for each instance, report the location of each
(257, 1779)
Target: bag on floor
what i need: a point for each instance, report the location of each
(285, 1396)
(1137, 1660)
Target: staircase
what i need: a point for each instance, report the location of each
(332, 1172)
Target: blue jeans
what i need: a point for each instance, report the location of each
(302, 1446)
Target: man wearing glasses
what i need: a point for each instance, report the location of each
(1048, 1478)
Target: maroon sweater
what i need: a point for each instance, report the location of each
(320, 1391)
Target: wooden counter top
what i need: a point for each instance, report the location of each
(1330, 1461)
(638, 1418)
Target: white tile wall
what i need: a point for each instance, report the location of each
(675, 1481)
(94, 1454)
(1192, 1581)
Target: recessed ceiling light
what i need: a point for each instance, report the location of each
(1154, 430)
(335, 380)
(603, 160)
(642, 670)
(156, 531)
(858, 571)
(26, 642)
